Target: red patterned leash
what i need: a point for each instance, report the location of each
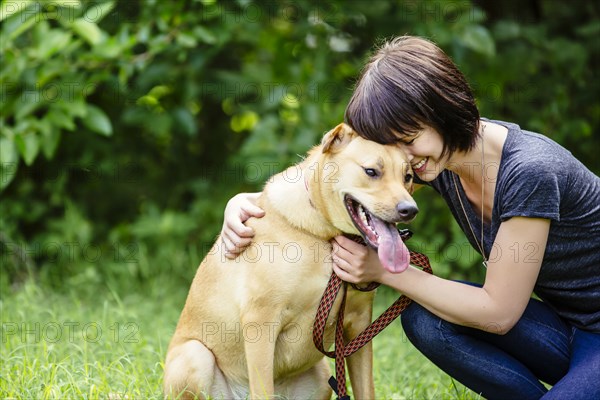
(343, 350)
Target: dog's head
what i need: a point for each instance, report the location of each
(365, 189)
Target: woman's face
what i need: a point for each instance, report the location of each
(424, 150)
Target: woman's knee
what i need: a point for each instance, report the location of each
(420, 325)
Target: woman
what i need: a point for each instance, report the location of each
(525, 203)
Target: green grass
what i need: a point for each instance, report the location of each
(401, 372)
(90, 343)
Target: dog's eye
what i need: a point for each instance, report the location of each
(408, 178)
(372, 172)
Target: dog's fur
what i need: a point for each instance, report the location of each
(246, 327)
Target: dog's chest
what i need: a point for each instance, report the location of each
(294, 349)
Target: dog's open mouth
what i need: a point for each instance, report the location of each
(380, 235)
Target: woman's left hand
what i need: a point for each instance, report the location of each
(354, 262)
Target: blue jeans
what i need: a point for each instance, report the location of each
(541, 347)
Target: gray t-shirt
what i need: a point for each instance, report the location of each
(538, 178)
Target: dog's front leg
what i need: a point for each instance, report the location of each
(360, 364)
(360, 369)
(259, 345)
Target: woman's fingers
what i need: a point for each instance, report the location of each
(235, 227)
(339, 270)
(235, 236)
(233, 247)
(251, 210)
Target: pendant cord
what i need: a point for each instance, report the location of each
(479, 243)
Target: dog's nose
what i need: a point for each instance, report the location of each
(407, 210)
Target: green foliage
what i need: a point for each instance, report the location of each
(126, 125)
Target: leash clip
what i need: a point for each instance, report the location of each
(334, 385)
(405, 234)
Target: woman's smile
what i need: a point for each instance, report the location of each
(421, 165)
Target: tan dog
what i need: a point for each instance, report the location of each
(246, 327)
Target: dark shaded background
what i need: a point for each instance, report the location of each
(127, 125)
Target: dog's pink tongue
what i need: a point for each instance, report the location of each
(392, 252)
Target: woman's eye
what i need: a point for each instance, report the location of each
(410, 141)
(372, 172)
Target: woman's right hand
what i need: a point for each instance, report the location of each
(235, 236)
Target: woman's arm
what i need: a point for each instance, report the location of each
(512, 271)
(235, 236)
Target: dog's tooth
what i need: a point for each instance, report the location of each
(362, 214)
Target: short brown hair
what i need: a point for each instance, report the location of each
(410, 82)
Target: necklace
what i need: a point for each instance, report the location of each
(479, 243)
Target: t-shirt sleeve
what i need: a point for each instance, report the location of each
(533, 190)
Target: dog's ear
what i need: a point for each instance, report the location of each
(337, 138)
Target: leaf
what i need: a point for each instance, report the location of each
(186, 40)
(478, 39)
(78, 108)
(245, 121)
(53, 41)
(97, 121)
(23, 27)
(9, 162)
(67, 3)
(89, 31)
(109, 48)
(50, 141)
(205, 35)
(59, 118)
(27, 103)
(96, 12)
(185, 121)
(28, 145)
(10, 8)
